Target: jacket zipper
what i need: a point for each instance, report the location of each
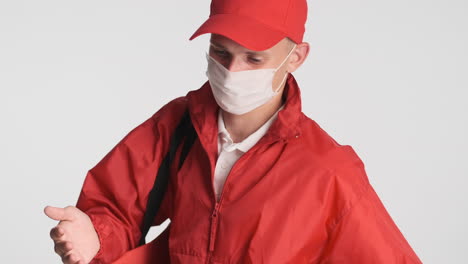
(213, 229)
(214, 215)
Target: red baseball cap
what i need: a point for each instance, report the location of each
(256, 24)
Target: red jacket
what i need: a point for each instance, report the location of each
(296, 197)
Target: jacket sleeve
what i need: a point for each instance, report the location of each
(115, 191)
(365, 233)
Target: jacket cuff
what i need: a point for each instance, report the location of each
(103, 231)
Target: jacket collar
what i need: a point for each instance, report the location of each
(248, 142)
(204, 114)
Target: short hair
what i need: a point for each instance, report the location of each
(290, 43)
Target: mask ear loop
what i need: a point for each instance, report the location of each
(286, 57)
(286, 75)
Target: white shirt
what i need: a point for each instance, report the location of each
(229, 152)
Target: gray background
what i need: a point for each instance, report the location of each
(388, 78)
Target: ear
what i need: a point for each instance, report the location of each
(298, 56)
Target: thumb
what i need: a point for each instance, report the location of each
(58, 213)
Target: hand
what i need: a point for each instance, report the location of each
(75, 238)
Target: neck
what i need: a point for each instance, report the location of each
(241, 126)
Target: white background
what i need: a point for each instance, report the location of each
(388, 78)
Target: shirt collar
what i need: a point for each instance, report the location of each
(227, 142)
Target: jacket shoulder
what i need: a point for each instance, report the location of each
(160, 123)
(151, 137)
(344, 170)
(323, 147)
(174, 107)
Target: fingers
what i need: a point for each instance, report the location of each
(65, 250)
(60, 214)
(63, 247)
(72, 258)
(57, 233)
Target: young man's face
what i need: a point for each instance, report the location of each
(235, 57)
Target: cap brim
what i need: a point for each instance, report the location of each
(246, 31)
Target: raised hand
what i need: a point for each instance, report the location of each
(75, 238)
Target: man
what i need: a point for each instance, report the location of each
(263, 183)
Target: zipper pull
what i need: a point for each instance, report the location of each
(214, 224)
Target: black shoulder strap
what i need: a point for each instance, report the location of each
(183, 130)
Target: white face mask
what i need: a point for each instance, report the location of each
(241, 92)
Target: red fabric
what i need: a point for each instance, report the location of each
(296, 197)
(256, 24)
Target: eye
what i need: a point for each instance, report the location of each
(254, 60)
(221, 53)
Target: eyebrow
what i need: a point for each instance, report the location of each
(219, 46)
